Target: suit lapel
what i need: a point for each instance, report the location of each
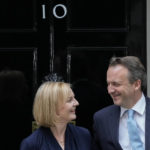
(147, 125)
(114, 126)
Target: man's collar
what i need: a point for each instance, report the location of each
(139, 107)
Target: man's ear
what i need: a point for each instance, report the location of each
(137, 84)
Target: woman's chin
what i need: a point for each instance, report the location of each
(73, 117)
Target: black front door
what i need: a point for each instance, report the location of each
(73, 38)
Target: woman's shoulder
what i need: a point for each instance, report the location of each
(79, 130)
(35, 134)
(33, 140)
(82, 136)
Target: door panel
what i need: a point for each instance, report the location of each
(18, 16)
(104, 15)
(17, 83)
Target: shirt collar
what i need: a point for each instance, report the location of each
(123, 110)
(139, 107)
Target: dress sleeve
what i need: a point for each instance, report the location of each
(25, 145)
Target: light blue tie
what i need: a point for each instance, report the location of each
(134, 136)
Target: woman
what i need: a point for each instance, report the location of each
(54, 107)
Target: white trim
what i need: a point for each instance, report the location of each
(43, 12)
(148, 47)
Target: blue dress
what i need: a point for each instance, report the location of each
(76, 138)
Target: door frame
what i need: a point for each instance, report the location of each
(148, 48)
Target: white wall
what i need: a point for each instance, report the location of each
(148, 48)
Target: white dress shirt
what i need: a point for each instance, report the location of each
(139, 116)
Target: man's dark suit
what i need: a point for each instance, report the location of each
(106, 128)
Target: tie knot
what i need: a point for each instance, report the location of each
(130, 113)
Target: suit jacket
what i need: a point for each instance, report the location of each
(106, 128)
(76, 138)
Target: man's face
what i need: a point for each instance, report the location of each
(119, 87)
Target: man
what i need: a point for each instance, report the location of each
(126, 79)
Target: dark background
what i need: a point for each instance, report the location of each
(77, 46)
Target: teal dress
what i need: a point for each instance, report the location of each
(76, 138)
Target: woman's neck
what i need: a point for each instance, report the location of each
(59, 133)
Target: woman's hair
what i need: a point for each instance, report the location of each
(48, 97)
(134, 66)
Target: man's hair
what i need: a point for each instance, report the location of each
(134, 66)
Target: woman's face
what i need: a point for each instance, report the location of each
(67, 111)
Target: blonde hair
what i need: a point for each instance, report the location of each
(46, 101)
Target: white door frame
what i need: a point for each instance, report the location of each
(148, 47)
